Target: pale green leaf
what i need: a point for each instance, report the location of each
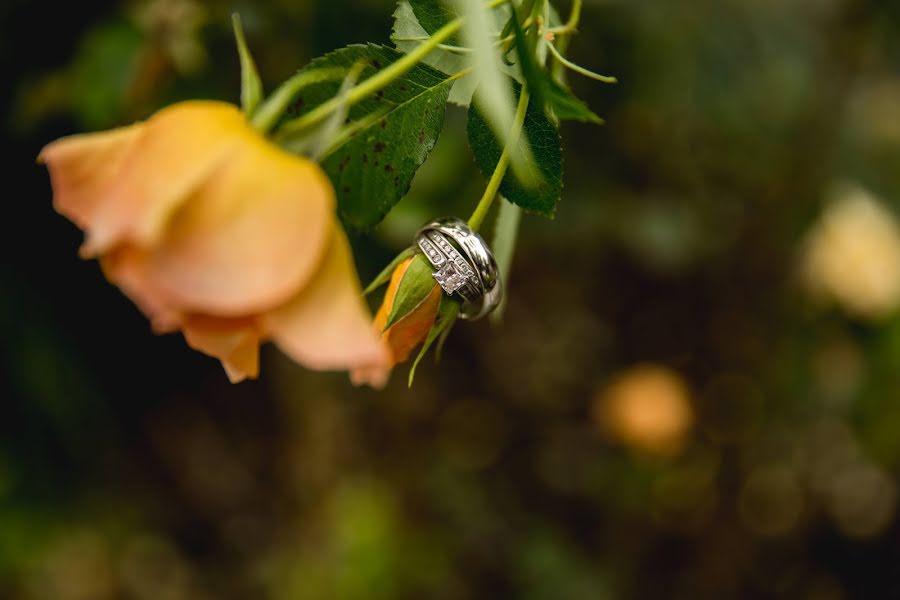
(503, 245)
(251, 85)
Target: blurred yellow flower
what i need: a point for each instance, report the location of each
(852, 254)
(646, 407)
(213, 230)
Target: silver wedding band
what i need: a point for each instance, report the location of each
(463, 265)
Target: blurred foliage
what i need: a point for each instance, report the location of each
(680, 402)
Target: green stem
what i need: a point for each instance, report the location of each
(574, 16)
(382, 78)
(490, 192)
(578, 68)
(341, 137)
(563, 35)
(275, 105)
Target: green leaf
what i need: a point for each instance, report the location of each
(386, 273)
(506, 230)
(327, 133)
(415, 286)
(545, 90)
(408, 33)
(389, 134)
(251, 86)
(495, 100)
(565, 105)
(448, 311)
(434, 14)
(544, 161)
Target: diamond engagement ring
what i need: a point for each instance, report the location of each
(463, 265)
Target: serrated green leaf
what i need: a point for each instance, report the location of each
(448, 311)
(415, 286)
(393, 131)
(434, 14)
(495, 102)
(544, 161)
(386, 273)
(407, 33)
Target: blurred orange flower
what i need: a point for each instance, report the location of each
(646, 407)
(408, 331)
(213, 230)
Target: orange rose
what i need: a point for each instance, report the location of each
(211, 229)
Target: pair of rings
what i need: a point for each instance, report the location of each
(463, 265)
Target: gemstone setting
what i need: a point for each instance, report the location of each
(450, 277)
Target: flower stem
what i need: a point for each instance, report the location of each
(563, 35)
(382, 78)
(574, 16)
(271, 110)
(490, 192)
(578, 68)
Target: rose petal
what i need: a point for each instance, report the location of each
(233, 341)
(248, 238)
(179, 148)
(83, 167)
(126, 266)
(326, 325)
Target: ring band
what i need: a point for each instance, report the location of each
(472, 273)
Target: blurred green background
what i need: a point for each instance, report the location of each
(695, 392)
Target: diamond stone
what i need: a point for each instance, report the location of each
(449, 277)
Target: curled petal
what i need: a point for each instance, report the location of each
(249, 237)
(178, 149)
(326, 325)
(233, 341)
(83, 167)
(126, 266)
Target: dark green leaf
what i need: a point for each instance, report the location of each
(408, 34)
(545, 161)
(434, 14)
(397, 128)
(415, 286)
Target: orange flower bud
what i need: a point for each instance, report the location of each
(418, 296)
(414, 311)
(409, 330)
(213, 230)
